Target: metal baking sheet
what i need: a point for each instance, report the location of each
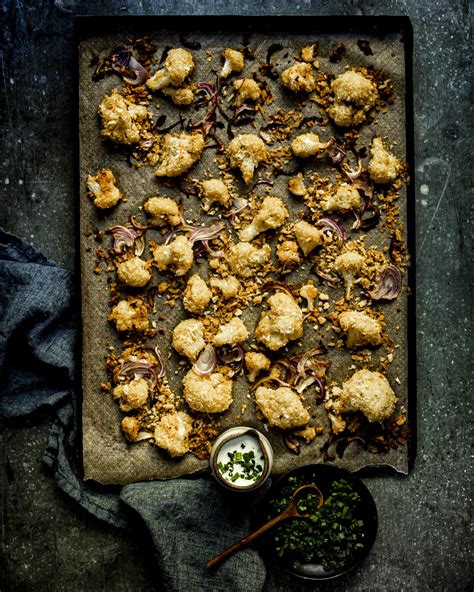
(106, 455)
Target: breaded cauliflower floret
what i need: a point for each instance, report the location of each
(102, 188)
(256, 363)
(348, 265)
(245, 260)
(229, 286)
(215, 190)
(308, 237)
(383, 166)
(354, 96)
(299, 78)
(231, 333)
(132, 395)
(307, 53)
(307, 145)
(130, 315)
(207, 394)
(172, 433)
(360, 328)
(287, 253)
(178, 153)
(121, 119)
(177, 255)
(188, 338)
(281, 407)
(134, 272)
(247, 90)
(344, 199)
(280, 324)
(365, 391)
(163, 211)
(130, 427)
(272, 213)
(177, 66)
(234, 62)
(246, 152)
(179, 96)
(309, 293)
(296, 185)
(196, 295)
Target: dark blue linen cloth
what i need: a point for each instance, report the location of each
(189, 520)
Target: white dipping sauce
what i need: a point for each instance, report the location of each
(228, 468)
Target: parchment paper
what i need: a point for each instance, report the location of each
(108, 458)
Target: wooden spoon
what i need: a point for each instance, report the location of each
(291, 511)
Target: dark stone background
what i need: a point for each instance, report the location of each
(47, 542)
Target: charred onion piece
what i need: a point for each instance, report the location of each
(128, 370)
(330, 225)
(233, 357)
(205, 233)
(389, 284)
(206, 363)
(161, 362)
(292, 443)
(266, 379)
(123, 61)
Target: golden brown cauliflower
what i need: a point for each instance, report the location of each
(130, 315)
(231, 333)
(132, 395)
(360, 328)
(207, 394)
(299, 78)
(179, 96)
(102, 188)
(309, 293)
(130, 427)
(172, 433)
(188, 338)
(177, 66)
(280, 324)
(308, 237)
(247, 90)
(214, 190)
(272, 213)
(365, 391)
(296, 185)
(121, 119)
(196, 295)
(229, 286)
(383, 166)
(178, 153)
(307, 53)
(134, 272)
(345, 198)
(354, 96)
(177, 255)
(233, 62)
(287, 253)
(163, 211)
(245, 260)
(256, 363)
(246, 152)
(281, 407)
(348, 265)
(306, 145)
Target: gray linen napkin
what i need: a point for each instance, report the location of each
(189, 520)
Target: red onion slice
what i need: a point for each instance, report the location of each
(389, 284)
(206, 363)
(123, 60)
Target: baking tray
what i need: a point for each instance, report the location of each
(107, 457)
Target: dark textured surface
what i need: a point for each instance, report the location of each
(48, 543)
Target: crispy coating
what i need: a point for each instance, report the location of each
(280, 324)
(299, 78)
(383, 166)
(102, 188)
(281, 407)
(188, 338)
(365, 391)
(349, 265)
(271, 214)
(134, 272)
(177, 256)
(177, 66)
(306, 145)
(121, 119)
(287, 253)
(132, 395)
(360, 328)
(196, 295)
(215, 190)
(172, 433)
(130, 315)
(345, 198)
(179, 96)
(231, 333)
(207, 394)
(130, 427)
(247, 90)
(233, 62)
(163, 211)
(256, 362)
(308, 237)
(179, 152)
(245, 260)
(296, 185)
(354, 96)
(246, 152)
(229, 286)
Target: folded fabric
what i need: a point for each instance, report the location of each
(189, 520)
